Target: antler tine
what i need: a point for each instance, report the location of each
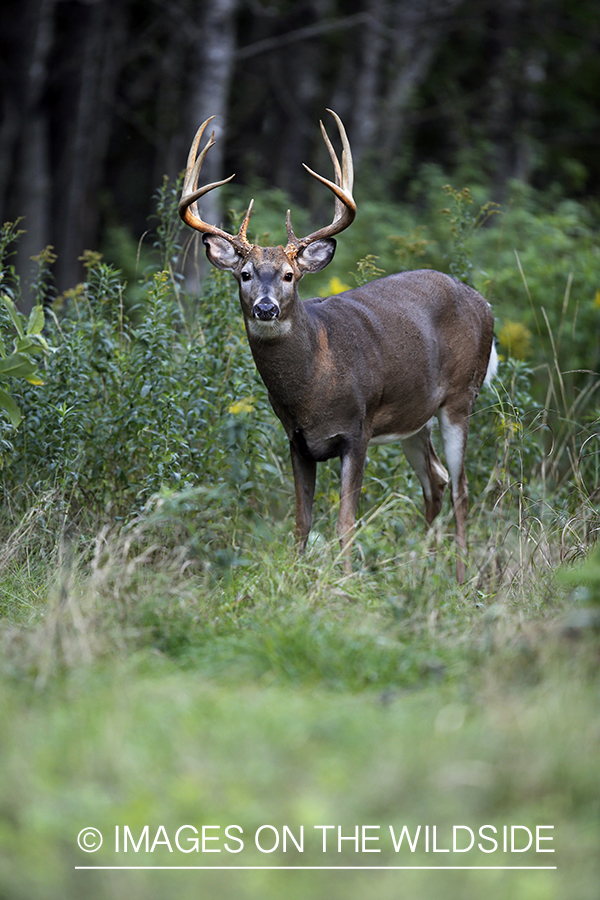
(332, 153)
(190, 194)
(345, 206)
(344, 175)
(246, 219)
(336, 166)
(191, 160)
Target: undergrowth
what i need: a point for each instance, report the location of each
(149, 448)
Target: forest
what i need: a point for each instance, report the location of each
(176, 681)
(100, 99)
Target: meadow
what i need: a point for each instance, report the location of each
(172, 673)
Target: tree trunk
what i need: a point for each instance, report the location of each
(512, 107)
(211, 75)
(366, 115)
(81, 164)
(33, 193)
(420, 26)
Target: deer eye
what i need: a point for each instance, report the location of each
(246, 276)
(289, 276)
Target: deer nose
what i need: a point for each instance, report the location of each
(265, 309)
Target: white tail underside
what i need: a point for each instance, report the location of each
(492, 369)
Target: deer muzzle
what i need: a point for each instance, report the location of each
(265, 309)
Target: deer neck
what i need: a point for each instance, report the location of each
(286, 354)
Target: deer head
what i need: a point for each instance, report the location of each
(268, 276)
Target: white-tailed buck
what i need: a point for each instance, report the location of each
(372, 364)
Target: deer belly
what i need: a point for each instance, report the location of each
(391, 438)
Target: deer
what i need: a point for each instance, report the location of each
(374, 364)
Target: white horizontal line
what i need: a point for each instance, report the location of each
(313, 868)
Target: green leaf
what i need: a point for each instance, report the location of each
(14, 314)
(24, 345)
(39, 344)
(35, 344)
(36, 320)
(10, 407)
(43, 342)
(17, 366)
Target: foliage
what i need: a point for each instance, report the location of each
(139, 399)
(545, 275)
(367, 270)
(463, 224)
(21, 362)
(587, 576)
(166, 659)
(25, 334)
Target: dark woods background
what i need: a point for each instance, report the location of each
(100, 99)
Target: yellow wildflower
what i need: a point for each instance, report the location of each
(515, 338)
(244, 405)
(334, 286)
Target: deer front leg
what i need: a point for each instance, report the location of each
(305, 476)
(353, 467)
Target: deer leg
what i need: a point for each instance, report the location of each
(419, 452)
(305, 476)
(455, 427)
(353, 467)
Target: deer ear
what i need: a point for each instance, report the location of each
(316, 256)
(220, 252)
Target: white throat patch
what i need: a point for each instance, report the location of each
(271, 328)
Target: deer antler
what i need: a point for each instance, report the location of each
(345, 206)
(191, 193)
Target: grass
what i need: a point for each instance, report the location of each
(139, 690)
(144, 744)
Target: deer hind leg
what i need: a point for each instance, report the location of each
(454, 426)
(421, 455)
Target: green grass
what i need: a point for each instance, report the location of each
(146, 745)
(137, 691)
